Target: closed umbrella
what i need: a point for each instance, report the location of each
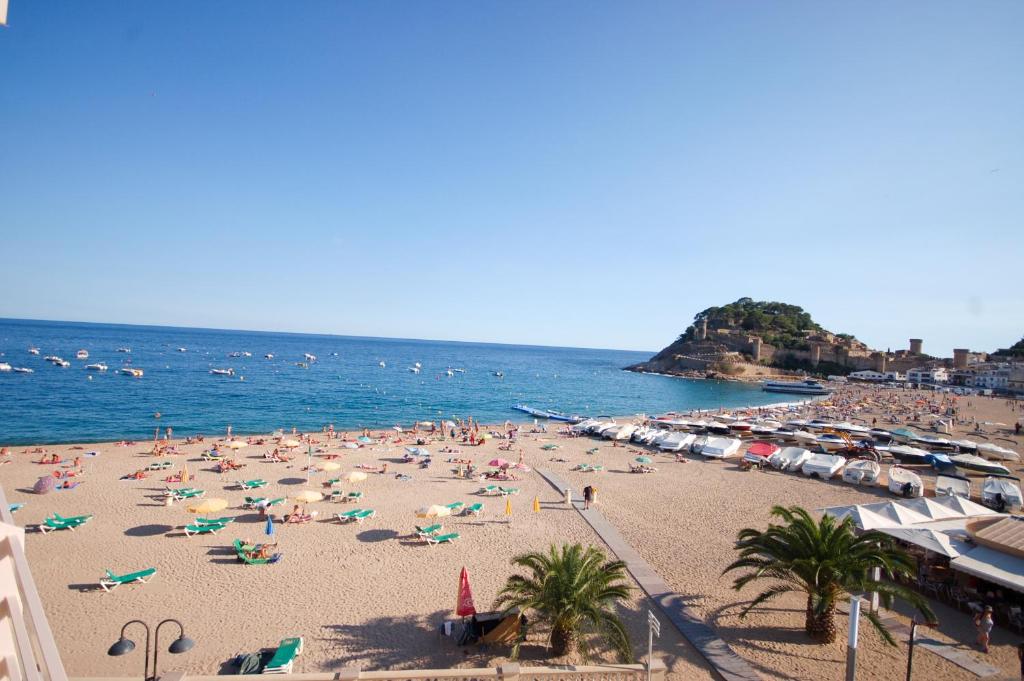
(464, 607)
(307, 496)
(508, 506)
(435, 511)
(355, 476)
(536, 504)
(270, 526)
(209, 506)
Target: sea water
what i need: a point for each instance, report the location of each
(345, 386)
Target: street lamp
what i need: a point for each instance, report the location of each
(123, 645)
(913, 633)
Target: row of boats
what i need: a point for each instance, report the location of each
(858, 463)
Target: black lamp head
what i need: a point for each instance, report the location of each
(181, 645)
(122, 647)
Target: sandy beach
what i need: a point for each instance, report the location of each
(371, 595)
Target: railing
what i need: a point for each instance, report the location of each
(27, 649)
(507, 672)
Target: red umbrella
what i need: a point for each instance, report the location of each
(465, 608)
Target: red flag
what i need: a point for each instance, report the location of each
(465, 607)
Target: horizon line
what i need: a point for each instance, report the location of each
(328, 335)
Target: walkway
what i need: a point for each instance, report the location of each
(717, 652)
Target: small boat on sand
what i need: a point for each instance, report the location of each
(861, 472)
(905, 482)
(823, 466)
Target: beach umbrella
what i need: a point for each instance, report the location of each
(44, 485)
(307, 496)
(270, 526)
(355, 476)
(508, 506)
(290, 444)
(435, 511)
(499, 463)
(209, 506)
(328, 465)
(365, 440)
(464, 607)
(237, 444)
(536, 504)
(184, 473)
(642, 459)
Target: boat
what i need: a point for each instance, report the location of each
(807, 387)
(940, 462)
(993, 451)
(674, 442)
(804, 437)
(63, 363)
(98, 366)
(449, 372)
(759, 453)
(948, 485)
(182, 349)
(741, 426)
(23, 370)
(414, 370)
(417, 365)
(302, 365)
(908, 454)
(964, 445)
(861, 472)
(52, 358)
(4, 366)
(499, 374)
(269, 355)
(1002, 493)
(222, 372)
(382, 365)
(33, 351)
(532, 411)
(830, 442)
(903, 435)
(789, 458)
(309, 357)
(459, 371)
(623, 432)
(905, 482)
(720, 447)
(823, 466)
(135, 373)
(128, 350)
(976, 463)
(235, 355)
(932, 442)
(249, 354)
(82, 354)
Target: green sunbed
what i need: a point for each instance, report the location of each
(474, 509)
(251, 484)
(455, 505)
(441, 538)
(284, 658)
(490, 489)
(112, 581)
(14, 508)
(203, 529)
(50, 524)
(249, 560)
(253, 502)
(505, 491)
(353, 496)
(214, 521)
(79, 519)
(355, 515)
(430, 530)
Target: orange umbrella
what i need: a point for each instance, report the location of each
(508, 506)
(536, 504)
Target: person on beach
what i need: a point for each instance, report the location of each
(588, 496)
(984, 624)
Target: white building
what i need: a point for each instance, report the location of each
(868, 375)
(992, 377)
(928, 375)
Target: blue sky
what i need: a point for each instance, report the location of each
(568, 173)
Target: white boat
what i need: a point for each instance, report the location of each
(182, 349)
(964, 445)
(309, 357)
(861, 472)
(269, 355)
(622, 432)
(222, 372)
(976, 463)
(601, 426)
(908, 454)
(98, 366)
(382, 365)
(905, 482)
(795, 387)
(993, 451)
(82, 354)
(449, 372)
(789, 458)
(675, 442)
(823, 466)
(830, 442)
(805, 437)
(128, 350)
(64, 364)
(720, 447)
(33, 351)
(414, 370)
(23, 370)
(1002, 493)
(947, 485)
(52, 358)
(4, 366)
(135, 373)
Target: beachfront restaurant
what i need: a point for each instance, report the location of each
(967, 555)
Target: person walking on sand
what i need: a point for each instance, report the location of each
(588, 496)
(984, 624)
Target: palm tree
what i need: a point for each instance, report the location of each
(824, 560)
(575, 590)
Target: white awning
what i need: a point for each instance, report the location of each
(929, 539)
(992, 566)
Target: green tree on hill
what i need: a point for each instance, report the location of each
(779, 324)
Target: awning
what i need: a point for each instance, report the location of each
(992, 566)
(929, 539)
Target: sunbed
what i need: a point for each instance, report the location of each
(353, 496)
(455, 505)
(336, 495)
(244, 552)
(203, 529)
(284, 658)
(79, 519)
(112, 581)
(490, 489)
(214, 521)
(58, 523)
(441, 538)
(474, 509)
(251, 484)
(159, 466)
(355, 515)
(253, 502)
(210, 456)
(429, 530)
(506, 491)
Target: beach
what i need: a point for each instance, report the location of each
(372, 595)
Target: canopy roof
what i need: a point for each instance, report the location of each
(993, 566)
(904, 512)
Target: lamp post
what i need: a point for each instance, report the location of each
(123, 645)
(913, 632)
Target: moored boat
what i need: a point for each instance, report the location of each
(23, 370)
(82, 354)
(720, 447)
(789, 458)
(222, 372)
(905, 482)
(129, 371)
(861, 472)
(976, 463)
(1002, 493)
(823, 466)
(98, 366)
(795, 387)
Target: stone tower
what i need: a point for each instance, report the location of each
(755, 348)
(916, 344)
(960, 358)
(704, 329)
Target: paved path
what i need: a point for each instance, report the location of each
(717, 652)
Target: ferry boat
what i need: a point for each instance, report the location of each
(795, 387)
(134, 373)
(82, 354)
(99, 366)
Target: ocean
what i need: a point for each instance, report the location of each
(345, 386)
